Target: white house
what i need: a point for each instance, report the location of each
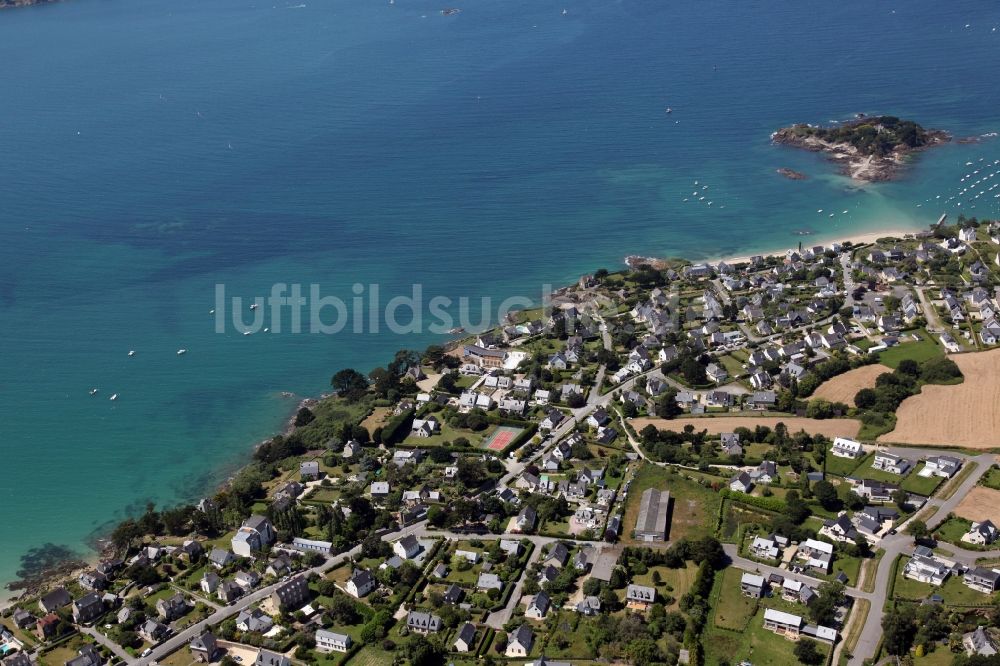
(328, 641)
(407, 548)
(847, 448)
(890, 462)
(981, 534)
(942, 466)
(816, 554)
(360, 584)
(520, 642)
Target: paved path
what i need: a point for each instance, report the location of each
(899, 543)
(498, 619)
(894, 545)
(182, 638)
(118, 650)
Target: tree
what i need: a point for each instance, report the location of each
(304, 417)
(350, 384)
(666, 405)
(909, 367)
(826, 493)
(823, 609)
(937, 370)
(808, 653)
(865, 398)
(898, 630)
(918, 530)
(900, 499)
(421, 652)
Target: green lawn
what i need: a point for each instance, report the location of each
(734, 610)
(866, 471)
(927, 348)
(952, 530)
(954, 591)
(847, 466)
(992, 478)
(569, 639)
(695, 507)
(732, 366)
(449, 434)
(673, 582)
(850, 566)
(372, 655)
(941, 656)
(756, 645)
(734, 515)
(921, 485)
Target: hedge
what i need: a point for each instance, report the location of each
(398, 428)
(774, 504)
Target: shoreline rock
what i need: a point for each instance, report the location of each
(791, 174)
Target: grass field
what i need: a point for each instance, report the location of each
(952, 530)
(847, 466)
(921, 485)
(954, 591)
(673, 582)
(733, 610)
(448, 434)
(755, 645)
(927, 348)
(866, 471)
(371, 655)
(695, 507)
(960, 415)
(941, 656)
(992, 478)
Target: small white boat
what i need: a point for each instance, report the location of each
(669, 110)
(131, 352)
(566, 11)
(113, 397)
(181, 352)
(247, 332)
(267, 330)
(93, 391)
(212, 311)
(254, 306)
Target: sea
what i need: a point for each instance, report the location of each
(154, 152)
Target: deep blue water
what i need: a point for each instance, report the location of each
(150, 150)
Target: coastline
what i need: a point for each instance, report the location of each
(808, 240)
(819, 239)
(94, 552)
(288, 424)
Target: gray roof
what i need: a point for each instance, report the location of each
(653, 513)
(467, 633)
(425, 621)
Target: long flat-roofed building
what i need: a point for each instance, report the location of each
(654, 508)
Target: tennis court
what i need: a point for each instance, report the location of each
(501, 438)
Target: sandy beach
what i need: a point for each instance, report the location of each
(820, 239)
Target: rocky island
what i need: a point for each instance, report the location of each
(870, 149)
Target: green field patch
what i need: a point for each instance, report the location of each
(926, 348)
(695, 508)
(921, 485)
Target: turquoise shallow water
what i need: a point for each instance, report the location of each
(150, 150)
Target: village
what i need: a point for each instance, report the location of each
(784, 460)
